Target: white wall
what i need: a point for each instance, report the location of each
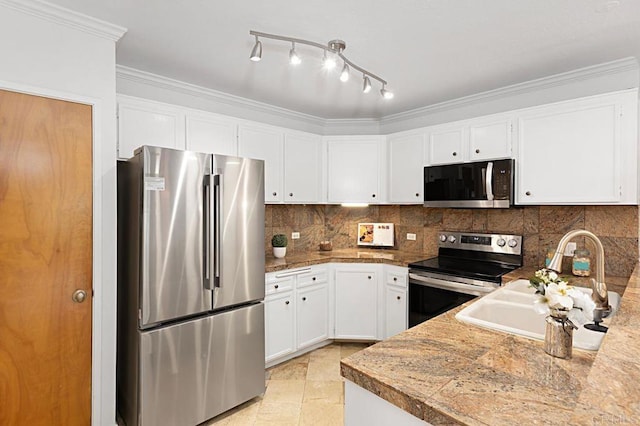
(43, 55)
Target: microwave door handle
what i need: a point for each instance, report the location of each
(217, 226)
(488, 179)
(208, 211)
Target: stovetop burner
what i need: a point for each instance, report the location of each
(465, 268)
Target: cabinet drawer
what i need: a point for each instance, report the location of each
(314, 277)
(278, 285)
(397, 279)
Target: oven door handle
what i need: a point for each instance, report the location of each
(449, 285)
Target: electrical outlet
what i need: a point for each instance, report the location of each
(295, 235)
(411, 237)
(571, 247)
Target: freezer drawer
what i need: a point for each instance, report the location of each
(196, 370)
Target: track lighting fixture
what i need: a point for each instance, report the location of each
(366, 88)
(344, 74)
(294, 59)
(256, 52)
(332, 50)
(385, 93)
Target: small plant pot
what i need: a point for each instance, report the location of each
(279, 252)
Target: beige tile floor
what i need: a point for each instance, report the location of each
(307, 390)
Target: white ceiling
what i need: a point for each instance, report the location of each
(429, 51)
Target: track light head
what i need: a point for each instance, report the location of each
(294, 59)
(256, 52)
(344, 75)
(366, 88)
(385, 93)
(328, 61)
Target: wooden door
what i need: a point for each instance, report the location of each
(45, 256)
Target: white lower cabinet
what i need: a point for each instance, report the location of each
(395, 300)
(312, 314)
(356, 303)
(279, 325)
(296, 310)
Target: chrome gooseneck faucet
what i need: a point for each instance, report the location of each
(599, 295)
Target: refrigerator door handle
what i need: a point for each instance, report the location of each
(208, 237)
(217, 221)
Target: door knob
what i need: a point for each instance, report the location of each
(79, 296)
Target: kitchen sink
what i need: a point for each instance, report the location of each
(510, 310)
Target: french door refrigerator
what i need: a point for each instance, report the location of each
(190, 285)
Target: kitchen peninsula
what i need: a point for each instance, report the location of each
(446, 372)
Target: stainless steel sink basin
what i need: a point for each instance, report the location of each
(510, 310)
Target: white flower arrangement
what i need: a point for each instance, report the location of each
(555, 294)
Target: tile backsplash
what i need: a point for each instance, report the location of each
(541, 226)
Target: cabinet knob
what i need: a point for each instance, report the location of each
(313, 279)
(455, 153)
(274, 193)
(286, 303)
(276, 286)
(527, 193)
(398, 297)
(291, 194)
(395, 278)
(477, 151)
(373, 195)
(369, 277)
(79, 296)
(417, 194)
(304, 298)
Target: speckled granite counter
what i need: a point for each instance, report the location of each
(392, 257)
(450, 373)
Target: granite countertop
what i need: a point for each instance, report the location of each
(359, 255)
(447, 372)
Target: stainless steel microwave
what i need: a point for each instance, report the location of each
(481, 184)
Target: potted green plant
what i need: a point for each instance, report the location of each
(279, 243)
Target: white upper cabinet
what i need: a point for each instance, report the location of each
(406, 165)
(302, 168)
(447, 144)
(142, 122)
(478, 139)
(264, 143)
(211, 133)
(355, 169)
(489, 139)
(579, 152)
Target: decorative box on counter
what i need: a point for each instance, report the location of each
(376, 234)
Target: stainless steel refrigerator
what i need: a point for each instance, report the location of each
(190, 285)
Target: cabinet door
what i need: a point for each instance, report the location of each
(302, 168)
(264, 144)
(279, 325)
(447, 145)
(406, 169)
(312, 315)
(395, 310)
(569, 153)
(211, 134)
(354, 169)
(148, 123)
(356, 305)
(489, 139)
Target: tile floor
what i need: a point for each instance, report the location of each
(307, 390)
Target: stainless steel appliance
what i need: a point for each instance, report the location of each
(483, 184)
(468, 265)
(190, 285)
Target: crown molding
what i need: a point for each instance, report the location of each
(143, 77)
(66, 17)
(586, 73)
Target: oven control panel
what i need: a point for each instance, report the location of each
(493, 243)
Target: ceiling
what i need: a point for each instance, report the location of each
(429, 51)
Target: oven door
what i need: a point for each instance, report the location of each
(430, 296)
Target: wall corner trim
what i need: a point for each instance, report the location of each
(66, 17)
